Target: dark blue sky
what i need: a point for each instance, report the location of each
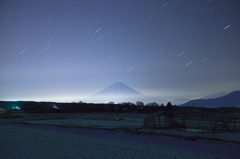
(66, 50)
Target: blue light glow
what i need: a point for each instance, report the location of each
(16, 107)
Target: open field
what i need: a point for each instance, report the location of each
(128, 122)
(40, 141)
(106, 135)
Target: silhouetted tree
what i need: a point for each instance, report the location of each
(122, 103)
(129, 103)
(153, 104)
(169, 106)
(139, 103)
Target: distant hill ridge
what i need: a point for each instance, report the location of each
(229, 100)
(215, 95)
(179, 101)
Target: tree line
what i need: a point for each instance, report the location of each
(139, 107)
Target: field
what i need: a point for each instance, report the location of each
(107, 135)
(127, 122)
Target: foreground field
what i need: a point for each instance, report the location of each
(39, 141)
(106, 135)
(127, 122)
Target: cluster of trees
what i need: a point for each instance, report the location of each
(36, 106)
(139, 103)
(139, 107)
(128, 107)
(154, 104)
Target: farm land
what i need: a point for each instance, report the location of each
(111, 135)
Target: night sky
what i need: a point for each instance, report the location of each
(66, 50)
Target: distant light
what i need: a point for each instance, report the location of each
(46, 47)
(130, 69)
(164, 5)
(181, 54)
(109, 57)
(14, 64)
(178, 2)
(15, 107)
(55, 107)
(49, 40)
(189, 63)
(227, 26)
(204, 59)
(98, 30)
(22, 51)
(99, 37)
(212, 8)
(113, 16)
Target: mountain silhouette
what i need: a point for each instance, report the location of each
(215, 95)
(120, 92)
(229, 100)
(118, 88)
(179, 101)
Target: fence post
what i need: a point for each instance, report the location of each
(159, 121)
(234, 124)
(165, 122)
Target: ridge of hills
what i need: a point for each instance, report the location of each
(229, 100)
(215, 95)
(119, 92)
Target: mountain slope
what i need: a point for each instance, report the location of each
(180, 101)
(215, 95)
(229, 100)
(118, 88)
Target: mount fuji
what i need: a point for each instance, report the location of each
(119, 92)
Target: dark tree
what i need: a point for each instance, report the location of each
(153, 104)
(129, 103)
(140, 103)
(169, 106)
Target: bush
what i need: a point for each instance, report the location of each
(3, 114)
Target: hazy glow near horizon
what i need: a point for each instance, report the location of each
(69, 50)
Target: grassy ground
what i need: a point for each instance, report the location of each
(39, 141)
(130, 123)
